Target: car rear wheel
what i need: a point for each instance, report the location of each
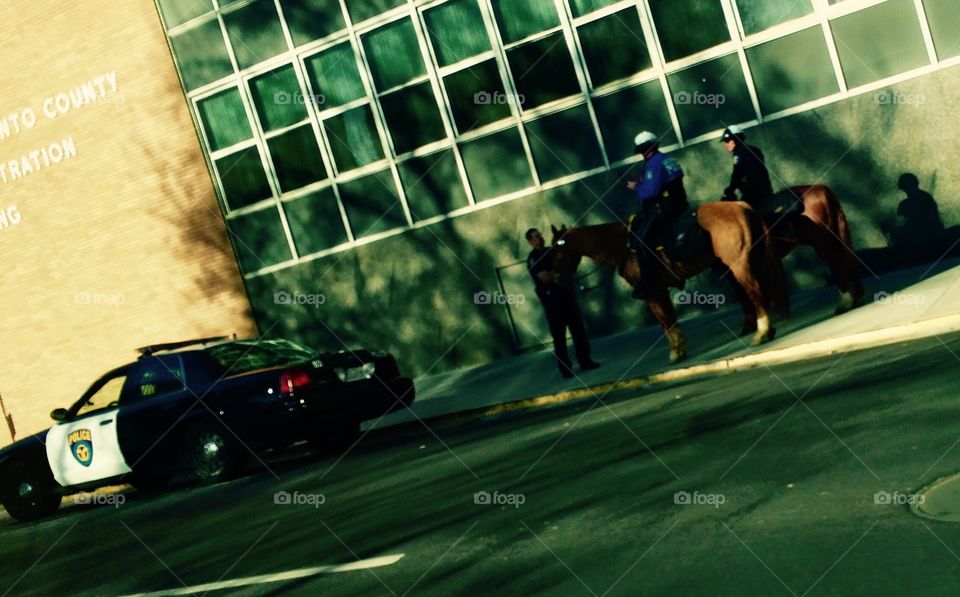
(211, 454)
(28, 495)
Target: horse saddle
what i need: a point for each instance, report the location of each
(682, 238)
(775, 209)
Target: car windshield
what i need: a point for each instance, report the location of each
(240, 357)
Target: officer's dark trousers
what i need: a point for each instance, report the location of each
(562, 313)
(640, 240)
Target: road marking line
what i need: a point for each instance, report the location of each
(280, 576)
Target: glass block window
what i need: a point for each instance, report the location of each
(258, 239)
(178, 12)
(243, 179)
(582, 7)
(710, 96)
(353, 138)
(688, 26)
(309, 20)
(432, 185)
(333, 74)
(224, 119)
(278, 99)
(879, 42)
(792, 70)
(255, 33)
(413, 117)
(201, 55)
(944, 19)
(456, 31)
(518, 20)
(613, 47)
(756, 16)
(315, 222)
(394, 54)
(296, 158)
(564, 143)
(477, 96)
(496, 164)
(372, 204)
(543, 71)
(625, 113)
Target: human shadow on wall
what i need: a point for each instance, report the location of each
(916, 233)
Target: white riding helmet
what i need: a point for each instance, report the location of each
(644, 142)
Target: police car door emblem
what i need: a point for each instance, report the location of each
(80, 443)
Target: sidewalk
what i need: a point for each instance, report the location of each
(911, 303)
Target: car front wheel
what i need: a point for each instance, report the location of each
(211, 455)
(28, 495)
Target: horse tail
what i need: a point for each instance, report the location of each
(768, 267)
(839, 220)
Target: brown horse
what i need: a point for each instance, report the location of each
(823, 226)
(738, 240)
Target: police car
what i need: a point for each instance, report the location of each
(199, 407)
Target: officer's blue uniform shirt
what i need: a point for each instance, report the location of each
(659, 170)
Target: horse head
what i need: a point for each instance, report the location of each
(566, 255)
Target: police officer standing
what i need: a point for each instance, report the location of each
(560, 303)
(662, 197)
(750, 175)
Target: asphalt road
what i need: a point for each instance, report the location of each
(781, 466)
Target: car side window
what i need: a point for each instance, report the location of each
(108, 396)
(153, 377)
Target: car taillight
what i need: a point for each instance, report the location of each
(293, 379)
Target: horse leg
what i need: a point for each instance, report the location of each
(662, 308)
(751, 287)
(749, 312)
(833, 253)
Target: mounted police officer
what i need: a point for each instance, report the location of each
(560, 302)
(750, 175)
(662, 198)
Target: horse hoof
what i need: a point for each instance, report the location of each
(676, 357)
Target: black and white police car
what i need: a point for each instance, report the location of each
(199, 407)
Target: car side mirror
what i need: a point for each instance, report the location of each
(59, 414)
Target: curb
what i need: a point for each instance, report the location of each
(810, 350)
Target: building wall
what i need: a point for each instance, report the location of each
(377, 162)
(414, 293)
(120, 245)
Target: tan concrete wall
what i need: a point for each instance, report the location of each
(121, 245)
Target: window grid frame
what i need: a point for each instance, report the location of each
(822, 14)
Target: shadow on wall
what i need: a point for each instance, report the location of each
(203, 240)
(915, 232)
